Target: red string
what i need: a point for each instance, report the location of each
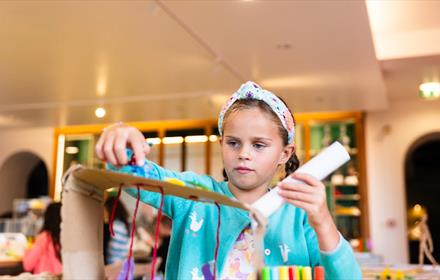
(112, 216)
(133, 228)
(217, 240)
(156, 234)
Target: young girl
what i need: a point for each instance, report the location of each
(257, 132)
(45, 254)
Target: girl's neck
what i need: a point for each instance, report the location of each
(247, 196)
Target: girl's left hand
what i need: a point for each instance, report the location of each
(310, 196)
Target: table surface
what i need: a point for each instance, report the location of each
(9, 262)
(425, 272)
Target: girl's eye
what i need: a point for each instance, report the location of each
(259, 146)
(232, 143)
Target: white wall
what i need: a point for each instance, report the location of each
(389, 135)
(40, 141)
(37, 141)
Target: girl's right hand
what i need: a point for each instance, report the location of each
(114, 140)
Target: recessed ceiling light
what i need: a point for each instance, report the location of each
(100, 112)
(429, 91)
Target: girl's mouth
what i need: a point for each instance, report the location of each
(243, 170)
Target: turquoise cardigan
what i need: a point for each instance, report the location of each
(192, 245)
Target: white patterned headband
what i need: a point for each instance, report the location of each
(251, 90)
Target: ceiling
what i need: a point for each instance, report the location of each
(154, 60)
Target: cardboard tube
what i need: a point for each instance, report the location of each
(327, 161)
(82, 223)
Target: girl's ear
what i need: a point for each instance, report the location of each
(287, 152)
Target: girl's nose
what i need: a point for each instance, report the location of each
(244, 152)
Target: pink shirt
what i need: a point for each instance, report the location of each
(42, 256)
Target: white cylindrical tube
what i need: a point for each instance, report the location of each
(327, 161)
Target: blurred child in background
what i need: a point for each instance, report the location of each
(117, 247)
(45, 254)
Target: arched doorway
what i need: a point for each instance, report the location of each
(422, 178)
(22, 175)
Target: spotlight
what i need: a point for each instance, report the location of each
(100, 112)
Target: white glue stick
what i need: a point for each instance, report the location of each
(327, 161)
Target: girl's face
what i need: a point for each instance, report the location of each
(252, 149)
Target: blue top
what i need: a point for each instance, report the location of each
(192, 244)
(119, 243)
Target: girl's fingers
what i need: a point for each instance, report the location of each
(298, 196)
(296, 187)
(300, 204)
(147, 148)
(99, 146)
(137, 143)
(306, 178)
(112, 144)
(120, 144)
(108, 145)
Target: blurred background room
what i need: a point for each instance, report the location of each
(364, 73)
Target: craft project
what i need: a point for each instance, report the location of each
(106, 180)
(92, 183)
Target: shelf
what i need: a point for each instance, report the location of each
(345, 186)
(347, 196)
(347, 211)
